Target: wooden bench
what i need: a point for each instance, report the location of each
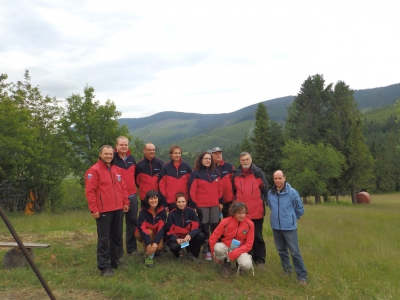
(15, 258)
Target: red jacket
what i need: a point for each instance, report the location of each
(105, 188)
(155, 223)
(173, 179)
(225, 170)
(127, 169)
(205, 188)
(230, 228)
(146, 175)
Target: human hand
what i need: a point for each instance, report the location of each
(187, 238)
(96, 215)
(126, 208)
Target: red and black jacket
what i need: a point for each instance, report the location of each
(155, 223)
(147, 175)
(173, 179)
(105, 188)
(225, 171)
(128, 167)
(205, 188)
(182, 222)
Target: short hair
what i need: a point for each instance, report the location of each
(122, 138)
(283, 173)
(199, 161)
(151, 194)
(149, 143)
(180, 194)
(244, 153)
(173, 147)
(237, 207)
(105, 146)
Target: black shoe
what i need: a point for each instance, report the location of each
(226, 270)
(108, 273)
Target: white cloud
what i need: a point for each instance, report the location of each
(205, 57)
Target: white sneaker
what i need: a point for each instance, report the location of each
(208, 256)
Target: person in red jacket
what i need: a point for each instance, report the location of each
(251, 187)
(205, 190)
(225, 170)
(107, 200)
(126, 162)
(151, 223)
(174, 177)
(183, 227)
(236, 235)
(147, 171)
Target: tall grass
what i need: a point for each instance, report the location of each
(351, 252)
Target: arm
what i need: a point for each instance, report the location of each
(91, 180)
(160, 228)
(244, 247)
(192, 190)
(162, 186)
(169, 228)
(297, 204)
(141, 225)
(217, 233)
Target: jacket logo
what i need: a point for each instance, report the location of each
(119, 178)
(89, 176)
(244, 231)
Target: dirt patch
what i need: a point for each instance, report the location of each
(38, 294)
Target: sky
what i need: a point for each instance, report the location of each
(197, 56)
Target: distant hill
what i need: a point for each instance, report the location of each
(203, 131)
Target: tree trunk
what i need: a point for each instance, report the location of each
(317, 198)
(305, 200)
(353, 196)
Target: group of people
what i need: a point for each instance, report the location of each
(182, 208)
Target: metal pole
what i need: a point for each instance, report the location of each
(28, 257)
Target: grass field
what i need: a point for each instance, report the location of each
(351, 252)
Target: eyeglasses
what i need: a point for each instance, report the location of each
(151, 150)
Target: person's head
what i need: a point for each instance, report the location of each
(149, 151)
(217, 155)
(122, 145)
(245, 160)
(180, 200)
(152, 200)
(106, 154)
(279, 179)
(175, 152)
(204, 160)
(238, 210)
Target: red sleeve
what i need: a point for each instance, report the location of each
(217, 233)
(246, 247)
(193, 191)
(91, 181)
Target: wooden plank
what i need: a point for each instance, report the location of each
(27, 245)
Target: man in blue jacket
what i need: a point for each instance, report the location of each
(286, 207)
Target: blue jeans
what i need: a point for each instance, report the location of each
(287, 240)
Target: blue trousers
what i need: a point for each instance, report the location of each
(287, 240)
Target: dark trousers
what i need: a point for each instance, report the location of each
(131, 222)
(194, 245)
(109, 239)
(258, 252)
(225, 209)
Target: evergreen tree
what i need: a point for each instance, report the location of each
(261, 138)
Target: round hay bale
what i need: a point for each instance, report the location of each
(363, 198)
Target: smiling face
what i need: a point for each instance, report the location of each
(279, 180)
(181, 202)
(107, 154)
(122, 147)
(240, 214)
(176, 154)
(206, 160)
(149, 151)
(153, 202)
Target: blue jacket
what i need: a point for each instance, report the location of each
(286, 207)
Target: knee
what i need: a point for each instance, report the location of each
(245, 262)
(221, 251)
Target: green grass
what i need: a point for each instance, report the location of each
(380, 114)
(351, 252)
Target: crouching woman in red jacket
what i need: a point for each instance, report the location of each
(236, 234)
(150, 226)
(184, 231)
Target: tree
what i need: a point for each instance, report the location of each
(307, 114)
(261, 138)
(89, 125)
(309, 167)
(246, 145)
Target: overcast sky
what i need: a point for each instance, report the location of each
(197, 56)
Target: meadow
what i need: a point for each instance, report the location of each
(351, 252)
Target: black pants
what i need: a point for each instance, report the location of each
(225, 209)
(258, 252)
(109, 239)
(194, 245)
(131, 223)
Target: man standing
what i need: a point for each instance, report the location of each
(286, 208)
(225, 170)
(250, 187)
(147, 170)
(107, 200)
(126, 162)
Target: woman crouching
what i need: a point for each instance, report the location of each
(150, 226)
(237, 237)
(183, 230)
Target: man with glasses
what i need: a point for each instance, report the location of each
(147, 170)
(250, 186)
